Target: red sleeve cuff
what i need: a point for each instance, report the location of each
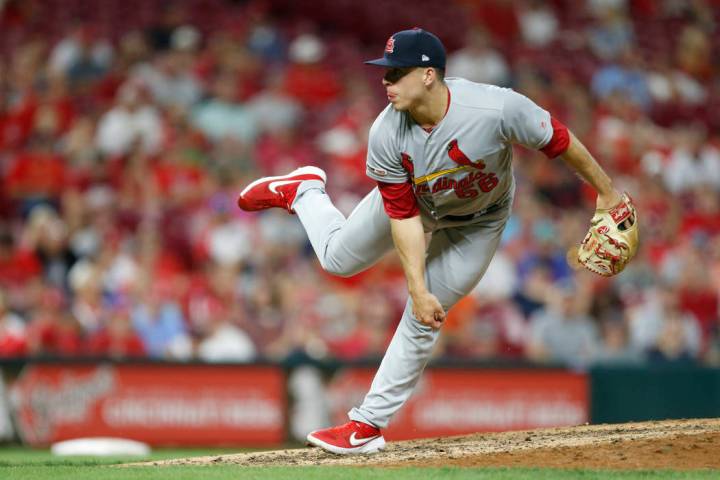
(559, 142)
(399, 200)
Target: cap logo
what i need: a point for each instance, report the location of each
(425, 58)
(390, 45)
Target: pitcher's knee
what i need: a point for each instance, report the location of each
(340, 269)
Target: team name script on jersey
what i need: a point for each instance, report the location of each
(465, 187)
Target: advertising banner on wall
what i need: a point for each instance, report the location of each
(455, 402)
(157, 404)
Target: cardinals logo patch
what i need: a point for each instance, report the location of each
(459, 157)
(390, 45)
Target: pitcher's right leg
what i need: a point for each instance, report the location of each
(343, 246)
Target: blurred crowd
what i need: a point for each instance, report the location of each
(128, 128)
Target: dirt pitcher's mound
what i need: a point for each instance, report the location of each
(676, 444)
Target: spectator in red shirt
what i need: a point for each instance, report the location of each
(301, 76)
(704, 216)
(500, 18)
(117, 339)
(37, 175)
(12, 332)
(52, 331)
(17, 266)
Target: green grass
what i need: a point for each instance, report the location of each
(26, 464)
(18, 456)
(327, 473)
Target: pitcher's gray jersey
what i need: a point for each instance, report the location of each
(464, 164)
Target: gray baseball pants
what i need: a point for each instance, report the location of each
(457, 257)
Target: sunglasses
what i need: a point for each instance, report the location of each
(393, 75)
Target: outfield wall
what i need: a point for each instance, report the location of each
(271, 404)
(624, 394)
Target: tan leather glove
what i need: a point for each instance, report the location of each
(612, 240)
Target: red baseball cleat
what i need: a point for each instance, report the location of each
(351, 438)
(269, 192)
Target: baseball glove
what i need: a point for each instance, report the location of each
(612, 240)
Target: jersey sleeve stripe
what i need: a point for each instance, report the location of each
(559, 142)
(399, 200)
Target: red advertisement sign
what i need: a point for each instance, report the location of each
(160, 405)
(455, 402)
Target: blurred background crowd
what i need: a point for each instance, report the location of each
(128, 127)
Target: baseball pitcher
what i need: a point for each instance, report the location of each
(441, 154)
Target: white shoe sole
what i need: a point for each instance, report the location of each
(300, 171)
(373, 446)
